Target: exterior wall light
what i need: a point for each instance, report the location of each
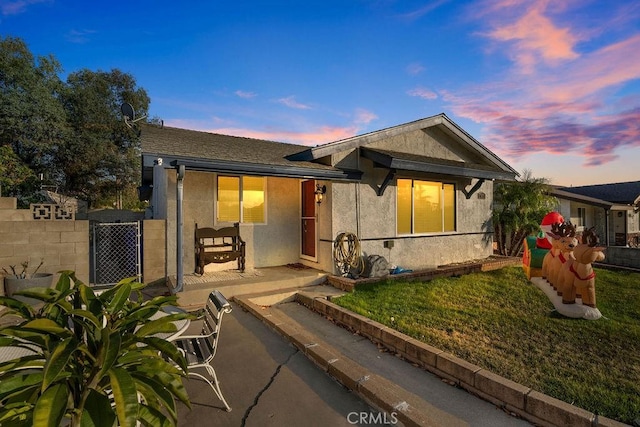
(320, 190)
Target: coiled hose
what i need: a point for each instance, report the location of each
(347, 254)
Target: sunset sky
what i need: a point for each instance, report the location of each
(551, 86)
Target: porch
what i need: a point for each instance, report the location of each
(232, 283)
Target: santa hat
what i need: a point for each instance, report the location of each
(544, 240)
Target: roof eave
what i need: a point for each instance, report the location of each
(439, 119)
(566, 195)
(328, 149)
(267, 170)
(437, 168)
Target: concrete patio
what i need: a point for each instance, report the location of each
(196, 288)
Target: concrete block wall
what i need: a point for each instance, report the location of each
(62, 244)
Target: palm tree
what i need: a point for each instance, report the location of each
(518, 210)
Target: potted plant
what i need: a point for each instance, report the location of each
(91, 360)
(19, 280)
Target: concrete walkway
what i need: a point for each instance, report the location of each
(446, 400)
(268, 381)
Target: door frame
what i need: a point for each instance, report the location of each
(311, 182)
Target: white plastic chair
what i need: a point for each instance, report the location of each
(199, 350)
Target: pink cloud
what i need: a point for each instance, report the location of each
(364, 117)
(314, 136)
(535, 37)
(422, 93)
(602, 69)
(415, 69)
(320, 135)
(517, 136)
(291, 102)
(569, 103)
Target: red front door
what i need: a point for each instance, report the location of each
(308, 210)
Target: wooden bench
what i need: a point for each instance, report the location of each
(219, 246)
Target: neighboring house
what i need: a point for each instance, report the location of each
(419, 194)
(613, 209)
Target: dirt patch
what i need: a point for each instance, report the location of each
(493, 262)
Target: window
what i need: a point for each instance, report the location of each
(240, 199)
(425, 207)
(582, 217)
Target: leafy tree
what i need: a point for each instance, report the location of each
(102, 157)
(518, 211)
(70, 132)
(32, 120)
(13, 171)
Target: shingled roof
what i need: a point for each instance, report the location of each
(224, 153)
(625, 193)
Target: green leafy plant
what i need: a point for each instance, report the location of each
(92, 359)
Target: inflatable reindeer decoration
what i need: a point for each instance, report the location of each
(563, 243)
(578, 276)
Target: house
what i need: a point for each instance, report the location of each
(613, 209)
(419, 194)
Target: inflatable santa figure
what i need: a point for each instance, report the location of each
(543, 239)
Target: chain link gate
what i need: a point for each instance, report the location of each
(116, 252)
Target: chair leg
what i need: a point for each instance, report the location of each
(215, 385)
(212, 372)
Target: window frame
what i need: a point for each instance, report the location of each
(240, 199)
(442, 203)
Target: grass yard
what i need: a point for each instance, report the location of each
(501, 322)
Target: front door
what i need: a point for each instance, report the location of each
(308, 223)
(619, 228)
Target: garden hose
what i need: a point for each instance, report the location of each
(347, 254)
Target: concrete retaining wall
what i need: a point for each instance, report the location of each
(622, 256)
(529, 404)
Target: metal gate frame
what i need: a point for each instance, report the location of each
(116, 251)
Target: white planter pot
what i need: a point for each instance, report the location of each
(38, 280)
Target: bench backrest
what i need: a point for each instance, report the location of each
(221, 239)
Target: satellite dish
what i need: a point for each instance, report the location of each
(127, 111)
(129, 114)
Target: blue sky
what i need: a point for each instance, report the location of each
(551, 86)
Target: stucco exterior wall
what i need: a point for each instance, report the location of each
(374, 222)
(276, 242)
(594, 217)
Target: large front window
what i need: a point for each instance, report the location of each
(240, 199)
(425, 207)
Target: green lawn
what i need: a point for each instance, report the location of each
(501, 322)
